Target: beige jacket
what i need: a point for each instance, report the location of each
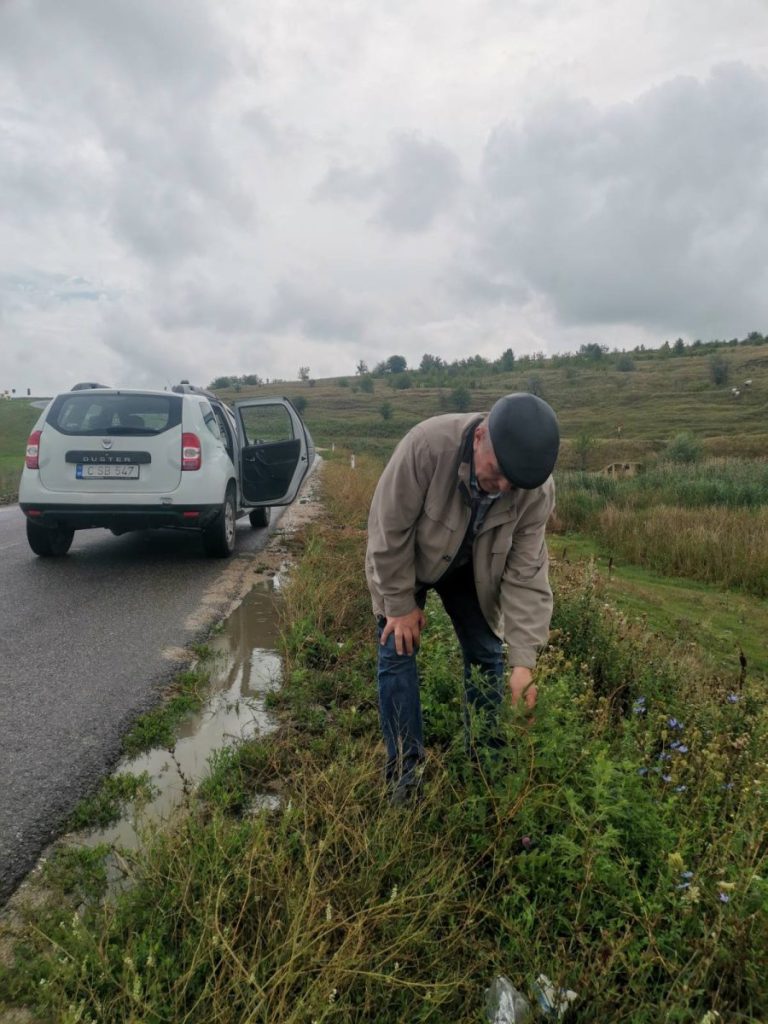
(418, 518)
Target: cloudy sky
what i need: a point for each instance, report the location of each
(191, 188)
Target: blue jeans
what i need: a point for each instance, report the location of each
(398, 676)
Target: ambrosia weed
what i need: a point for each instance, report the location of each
(613, 841)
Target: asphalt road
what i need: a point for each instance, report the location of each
(82, 642)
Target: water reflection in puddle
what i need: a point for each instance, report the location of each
(244, 667)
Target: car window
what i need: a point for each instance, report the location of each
(266, 424)
(210, 420)
(87, 412)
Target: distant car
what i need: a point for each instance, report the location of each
(132, 460)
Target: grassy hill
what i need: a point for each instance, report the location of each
(629, 415)
(659, 398)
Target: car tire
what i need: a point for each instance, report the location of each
(219, 537)
(260, 517)
(49, 542)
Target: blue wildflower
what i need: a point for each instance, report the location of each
(680, 789)
(681, 748)
(674, 744)
(733, 698)
(639, 707)
(683, 885)
(642, 771)
(673, 723)
(666, 778)
(686, 874)
(724, 897)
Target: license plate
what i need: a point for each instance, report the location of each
(104, 472)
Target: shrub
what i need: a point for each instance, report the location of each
(683, 447)
(718, 369)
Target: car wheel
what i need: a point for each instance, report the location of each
(260, 517)
(49, 542)
(219, 537)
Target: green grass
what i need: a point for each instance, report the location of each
(108, 803)
(157, 728)
(718, 622)
(17, 417)
(567, 854)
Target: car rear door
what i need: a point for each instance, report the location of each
(112, 443)
(276, 451)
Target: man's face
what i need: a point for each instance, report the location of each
(487, 472)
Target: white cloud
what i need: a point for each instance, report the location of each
(191, 188)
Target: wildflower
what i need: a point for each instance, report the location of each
(674, 744)
(724, 897)
(680, 789)
(672, 723)
(733, 698)
(666, 778)
(682, 749)
(639, 708)
(692, 895)
(393, 894)
(663, 756)
(686, 874)
(675, 861)
(727, 785)
(642, 771)
(683, 885)
(328, 911)
(726, 886)
(332, 995)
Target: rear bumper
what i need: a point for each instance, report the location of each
(122, 518)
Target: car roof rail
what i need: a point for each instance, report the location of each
(185, 388)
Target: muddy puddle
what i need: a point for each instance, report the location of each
(244, 667)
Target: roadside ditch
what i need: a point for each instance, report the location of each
(240, 665)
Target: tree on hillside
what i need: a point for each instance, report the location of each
(460, 399)
(593, 351)
(429, 362)
(221, 382)
(583, 446)
(303, 373)
(718, 368)
(396, 364)
(361, 368)
(507, 360)
(679, 347)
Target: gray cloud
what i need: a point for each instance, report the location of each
(653, 212)
(417, 184)
(328, 314)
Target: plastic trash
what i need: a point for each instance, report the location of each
(552, 1001)
(505, 1005)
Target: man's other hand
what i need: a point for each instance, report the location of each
(407, 630)
(521, 686)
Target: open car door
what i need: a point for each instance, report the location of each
(276, 451)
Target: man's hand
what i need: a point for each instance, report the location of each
(407, 630)
(521, 687)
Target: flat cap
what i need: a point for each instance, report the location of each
(525, 438)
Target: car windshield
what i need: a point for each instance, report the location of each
(90, 412)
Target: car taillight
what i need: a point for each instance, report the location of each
(191, 452)
(33, 450)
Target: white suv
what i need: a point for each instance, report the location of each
(130, 460)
